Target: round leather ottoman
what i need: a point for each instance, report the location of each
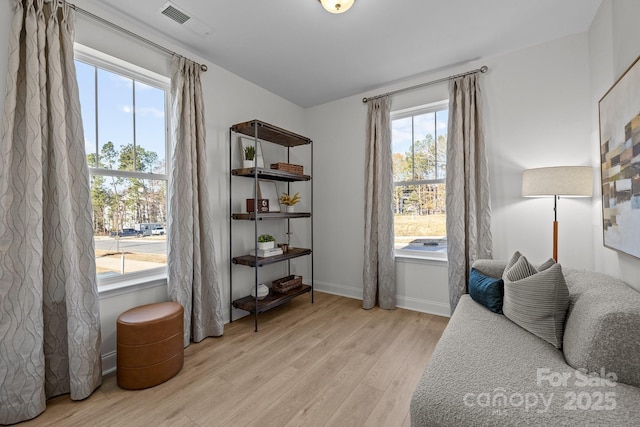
(150, 345)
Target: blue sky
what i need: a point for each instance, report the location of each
(434, 123)
(115, 106)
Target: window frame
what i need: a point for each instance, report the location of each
(115, 65)
(433, 107)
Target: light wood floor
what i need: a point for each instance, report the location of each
(327, 364)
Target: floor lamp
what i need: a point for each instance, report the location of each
(556, 182)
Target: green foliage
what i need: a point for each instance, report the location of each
(266, 238)
(425, 160)
(249, 152)
(119, 202)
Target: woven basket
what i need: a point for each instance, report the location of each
(288, 167)
(286, 284)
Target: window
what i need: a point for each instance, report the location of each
(125, 131)
(419, 141)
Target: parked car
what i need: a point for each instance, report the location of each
(158, 231)
(126, 232)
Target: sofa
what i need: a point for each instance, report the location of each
(488, 371)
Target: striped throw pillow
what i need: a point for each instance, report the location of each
(536, 301)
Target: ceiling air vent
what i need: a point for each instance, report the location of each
(175, 14)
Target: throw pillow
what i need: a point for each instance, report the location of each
(537, 302)
(486, 290)
(548, 263)
(514, 258)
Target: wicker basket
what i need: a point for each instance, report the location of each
(288, 167)
(286, 284)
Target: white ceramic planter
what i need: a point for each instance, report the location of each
(291, 209)
(248, 164)
(266, 245)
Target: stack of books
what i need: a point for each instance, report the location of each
(265, 253)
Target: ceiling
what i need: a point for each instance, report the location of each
(297, 50)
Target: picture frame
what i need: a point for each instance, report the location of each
(619, 114)
(245, 141)
(268, 190)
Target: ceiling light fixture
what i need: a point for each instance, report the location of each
(337, 6)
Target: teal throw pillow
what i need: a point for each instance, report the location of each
(486, 290)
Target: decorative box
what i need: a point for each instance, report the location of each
(288, 167)
(286, 284)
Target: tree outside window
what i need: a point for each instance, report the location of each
(419, 141)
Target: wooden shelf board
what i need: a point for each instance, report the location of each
(270, 215)
(271, 133)
(274, 174)
(250, 260)
(270, 301)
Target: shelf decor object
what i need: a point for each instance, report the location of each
(245, 143)
(620, 162)
(286, 284)
(288, 167)
(263, 180)
(565, 181)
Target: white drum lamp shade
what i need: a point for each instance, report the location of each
(556, 182)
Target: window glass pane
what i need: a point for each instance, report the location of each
(129, 224)
(424, 146)
(115, 121)
(420, 156)
(150, 128)
(420, 217)
(86, 84)
(401, 136)
(442, 121)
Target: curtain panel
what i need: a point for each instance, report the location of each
(379, 282)
(49, 316)
(468, 198)
(193, 275)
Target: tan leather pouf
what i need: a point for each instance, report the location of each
(150, 345)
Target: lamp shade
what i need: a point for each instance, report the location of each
(337, 6)
(567, 181)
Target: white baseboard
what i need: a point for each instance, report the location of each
(409, 303)
(423, 306)
(341, 290)
(109, 363)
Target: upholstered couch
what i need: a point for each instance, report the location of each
(488, 371)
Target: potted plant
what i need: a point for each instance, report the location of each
(289, 201)
(249, 156)
(266, 241)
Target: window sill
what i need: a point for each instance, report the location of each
(132, 284)
(419, 258)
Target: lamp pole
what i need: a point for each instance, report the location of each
(555, 227)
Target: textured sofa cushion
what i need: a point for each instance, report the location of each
(486, 290)
(483, 357)
(603, 326)
(536, 301)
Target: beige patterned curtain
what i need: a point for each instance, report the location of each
(468, 198)
(49, 307)
(379, 282)
(193, 276)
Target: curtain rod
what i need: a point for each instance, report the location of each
(127, 32)
(482, 69)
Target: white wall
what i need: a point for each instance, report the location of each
(614, 43)
(536, 114)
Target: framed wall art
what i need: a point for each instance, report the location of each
(619, 111)
(268, 190)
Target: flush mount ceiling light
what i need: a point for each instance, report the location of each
(337, 6)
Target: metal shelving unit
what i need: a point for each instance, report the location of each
(261, 131)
